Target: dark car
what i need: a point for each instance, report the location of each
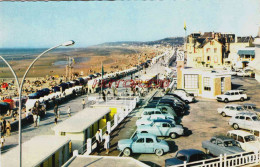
(189, 155)
(76, 82)
(36, 95)
(177, 108)
(56, 89)
(4, 107)
(45, 91)
(64, 86)
(81, 81)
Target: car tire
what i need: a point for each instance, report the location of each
(226, 101)
(127, 152)
(173, 135)
(207, 151)
(242, 99)
(235, 126)
(223, 114)
(186, 101)
(159, 152)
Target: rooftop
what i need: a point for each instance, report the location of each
(107, 161)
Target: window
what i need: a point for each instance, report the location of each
(240, 139)
(234, 136)
(213, 141)
(207, 84)
(181, 157)
(236, 93)
(145, 113)
(157, 112)
(250, 138)
(232, 108)
(208, 50)
(248, 119)
(232, 93)
(191, 81)
(149, 140)
(237, 117)
(208, 58)
(166, 125)
(219, 143)
(215, 50)
(227, 93)
(227, 107)
(141, 140)
(241, 117)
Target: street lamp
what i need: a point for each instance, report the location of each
(20, 87)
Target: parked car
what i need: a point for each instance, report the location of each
(177, 108)
(232, 95)
(245, 120)
(170, 98)
(184, 95)
(4, 107)
(252, 108)
(231, 110)
(149, 121)
(143, 143)
(154, 113)
(221, 145)
(245, 73)
(162, 128)
(247, 141)
(189, 155)
(162, 107)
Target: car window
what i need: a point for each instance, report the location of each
(151, 112)
(164, 109)
(219, 143)
(240, 139)
(241, 117)
(236, 93)
(181, 157)
(232, 93)
(255, 118)
(145, 113)
(248, 119)
(166, 125)
(250, 138)
(227, 93)
(256, 133)
(140, 140)
(227, 107)
(228, 144)
(193, 158)
(213, 141)
(237, 117)
(239, 108)
(232, 108)
(234, 136)
(157, 112)
(164, 112)
(149, 140)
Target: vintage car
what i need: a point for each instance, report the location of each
(162, 128)
(179, 109)
(189, 155)
(149, 121)
(184, 95)
(252, 108)
(221, 145)
(245, 120)
(162, 107)
(232, 95)
(231, 110)
(143, 143)
(155, 113)
(245, 73)
(247, 141)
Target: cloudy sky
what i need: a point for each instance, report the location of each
(44, 24)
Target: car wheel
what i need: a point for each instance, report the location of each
(173, 135)
(207, 151)
(127, 152)
(235, 126)
(226, 100)
(223, 114)
(242, 99)
(186, 101)
(159, 152)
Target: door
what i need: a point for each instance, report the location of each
(149, 145)
(248, 123)
(222, 85)
(237, 96)
(165, 129)
(139, 146)
(156, 129)
(241, 122)
(219, 148)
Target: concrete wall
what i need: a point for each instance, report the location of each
(217, 86)
(227, 86)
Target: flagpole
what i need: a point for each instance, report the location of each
(101, 76)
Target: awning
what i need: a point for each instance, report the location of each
(246, 52)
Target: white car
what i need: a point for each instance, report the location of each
(247, 141)
(156, 113)
(231, 110)
(149, 121)
(245, 120)
(184, 95)
(232, 95)
(245, 73)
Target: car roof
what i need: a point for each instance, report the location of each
(150, 105)
(248, 104)
(152, 109)
(162, 120)
(246, 114)
(240, 132)
(145, 135)
(234, 105)
(189, 152)
(239, 90)
(223, 137)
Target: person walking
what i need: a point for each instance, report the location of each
(4, 126)
(2, 141)
(83, 103)
(35, 120)
(107, 140)
(98, 139)
(104, 95)
(69, 111)
(38, 120)
(8, 128)
(55, 110)
(55, 120)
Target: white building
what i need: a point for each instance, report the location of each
(255, 64)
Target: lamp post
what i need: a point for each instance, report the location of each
(20, 87)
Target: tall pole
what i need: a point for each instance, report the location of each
(101, 76)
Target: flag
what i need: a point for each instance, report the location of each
(185, 28)
(73, 60)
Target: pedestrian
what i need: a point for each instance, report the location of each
(107, 140)
(2, 141)
(103, 95)
(98, 139)
(58, 113)
(4, 125)
(55, 110)
(8, 128)
(35, 120)
(38, 120)
(83, 103)
(69, 111)
(55, 120)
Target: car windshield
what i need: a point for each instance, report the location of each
(250, 138)
(239, 108)
(134, 138)
(227, 93)
(158, 140)
(229, 144)
(255, 118)
(181, 157)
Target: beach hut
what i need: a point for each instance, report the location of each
(82, 125)
(40, 151)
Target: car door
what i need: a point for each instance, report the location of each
(139, 146)
(156, 129)
(231, 111)
(241, 122)
(232, 96)
(227, 110)
(165, 129)
(219, 148)
(241, 141)
(212, 146)
(248, 123)
(149, 145)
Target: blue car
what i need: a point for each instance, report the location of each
(143, 143)
(189, 155)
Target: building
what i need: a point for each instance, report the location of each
(202, 81)
(245, 56)
(255, 64)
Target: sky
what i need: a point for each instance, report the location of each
(46, 24)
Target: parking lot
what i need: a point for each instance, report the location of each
(201, 122)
